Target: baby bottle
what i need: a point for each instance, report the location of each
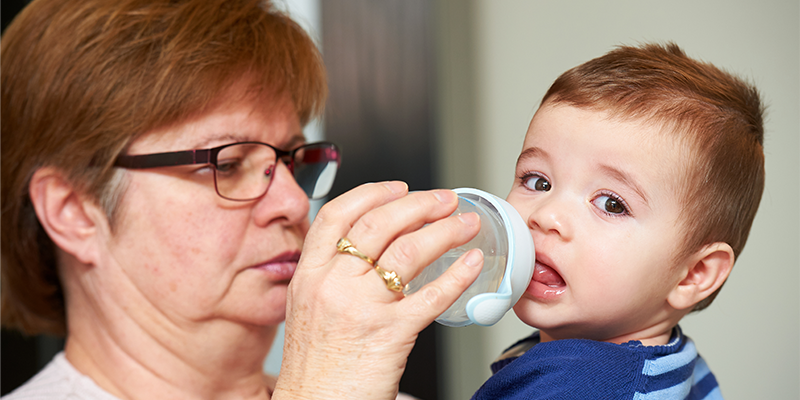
(507, 267)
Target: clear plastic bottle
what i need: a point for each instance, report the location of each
(506, 244)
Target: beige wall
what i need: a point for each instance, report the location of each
(497, 60)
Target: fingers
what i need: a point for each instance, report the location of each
(410, 253)
(404, 233)
(372, 218)
(424, 306)
(336, 218)
(377, 229)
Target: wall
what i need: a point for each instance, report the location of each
(497, 60)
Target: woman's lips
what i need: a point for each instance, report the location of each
(282, 267)
(546, 282)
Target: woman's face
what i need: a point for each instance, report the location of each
(181, 250)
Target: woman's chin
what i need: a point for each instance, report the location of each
(265, 309)
(264, 321)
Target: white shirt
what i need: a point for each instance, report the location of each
(59, 380)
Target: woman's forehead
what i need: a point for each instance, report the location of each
(270, 121)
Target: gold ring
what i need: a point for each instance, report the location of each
(345, 246)
(392, 280)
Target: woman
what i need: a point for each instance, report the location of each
(147, 217)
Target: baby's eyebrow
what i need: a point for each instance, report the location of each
(532, 152)
(624, 178)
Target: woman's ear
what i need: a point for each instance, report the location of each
(705, 272)
(69, 219)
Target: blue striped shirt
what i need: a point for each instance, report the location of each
(586, 369)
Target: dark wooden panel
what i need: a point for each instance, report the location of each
(380, 67)
(380, 111)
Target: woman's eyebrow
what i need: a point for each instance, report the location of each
(295, 141)
(625, 179)
(216, 140)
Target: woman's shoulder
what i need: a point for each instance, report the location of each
(59, 380)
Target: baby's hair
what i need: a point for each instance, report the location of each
(716, 116)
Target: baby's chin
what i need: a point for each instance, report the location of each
(529, 315)
(550, 330)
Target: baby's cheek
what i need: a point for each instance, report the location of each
(524, 311)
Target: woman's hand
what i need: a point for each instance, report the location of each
(347, 335)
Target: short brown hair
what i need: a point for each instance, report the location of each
(716, 114)
(82, 79)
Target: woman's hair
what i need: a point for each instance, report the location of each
(82, 79)
(714, 114)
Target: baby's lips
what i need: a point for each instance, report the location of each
(547, 276)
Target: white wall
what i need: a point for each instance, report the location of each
(499, 57)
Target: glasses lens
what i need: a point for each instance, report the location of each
(315, 167)
(244, 170)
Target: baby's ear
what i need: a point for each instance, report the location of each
(705, 272)
(69, 220)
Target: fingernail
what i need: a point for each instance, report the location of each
(469, 219)
(445, 196)
(396, 187)
(473, 258)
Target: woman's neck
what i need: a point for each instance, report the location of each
(158, 359)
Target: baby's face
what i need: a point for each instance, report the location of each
(600, 198)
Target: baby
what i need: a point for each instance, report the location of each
(639, 178)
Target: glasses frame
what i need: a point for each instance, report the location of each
(209, 156)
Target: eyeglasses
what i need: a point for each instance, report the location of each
(243, 171)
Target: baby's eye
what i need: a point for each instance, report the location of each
(610, 205)
(537, 183)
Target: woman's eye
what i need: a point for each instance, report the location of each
(537, 183)
(610, 205)
(227, 166)
(203, 169)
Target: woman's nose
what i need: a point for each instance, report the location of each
(285, 201)
(551, 216)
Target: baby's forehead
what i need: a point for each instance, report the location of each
(653, 126)
(667, 146)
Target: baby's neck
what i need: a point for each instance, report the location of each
(658, 337)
